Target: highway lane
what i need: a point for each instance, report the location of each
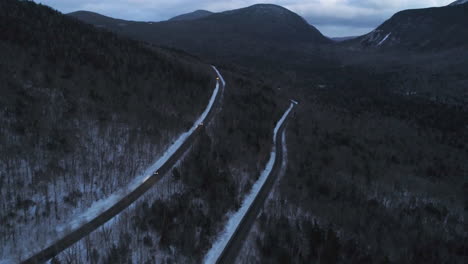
(84, 230)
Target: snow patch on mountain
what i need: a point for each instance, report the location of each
(384, 39)
(459, 2)
(376, 38)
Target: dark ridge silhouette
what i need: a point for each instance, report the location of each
(435, 28)
(192, 16)
(268, 32)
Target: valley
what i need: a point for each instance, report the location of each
(121, 143)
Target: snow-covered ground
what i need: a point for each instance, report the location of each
(234, 220)
(42, 233)
(109, 235)
(103, 205)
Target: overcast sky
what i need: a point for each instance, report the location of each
(333, 18)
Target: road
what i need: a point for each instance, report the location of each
(85, 229)
(234, 245)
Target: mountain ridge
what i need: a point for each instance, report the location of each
(458, 2)
(269, 31)
(414, 29)
(260, 13)
(197, 14)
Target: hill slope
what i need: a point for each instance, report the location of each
(82, 113)
(97, 19)
(422, 29)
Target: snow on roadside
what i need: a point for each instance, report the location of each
(234, 220)
(249, 250)
(284, 162)
(104, 204)
(219, 75)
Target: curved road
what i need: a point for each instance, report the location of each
(79, 233)
(234, 245)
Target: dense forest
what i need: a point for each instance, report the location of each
(373, 176)
(82, 113)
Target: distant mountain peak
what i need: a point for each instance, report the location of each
(84, 12)
(414, 29)
(266, 9)
(235, 34)
(192, 16)
(271, 7)
(459, 2)
(269, 21)
(341, 39)
(199, 11)
(98, 20)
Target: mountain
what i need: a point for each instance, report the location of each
(459, 2)
(422, 29)
(340, 39)
(262, 31)
(98, 20)
(192, 16)
(268, 22)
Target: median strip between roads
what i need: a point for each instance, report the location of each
(233, 224)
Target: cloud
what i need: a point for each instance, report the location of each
(332, 17)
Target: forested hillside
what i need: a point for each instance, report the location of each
(374, 176)
(82, 113)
